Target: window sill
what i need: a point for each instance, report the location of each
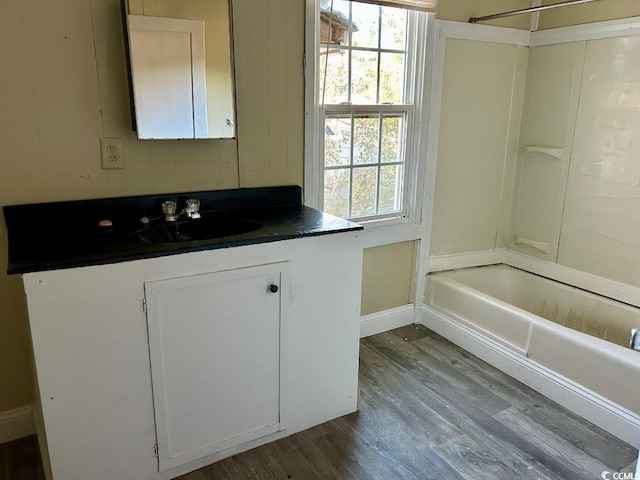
(389, 231)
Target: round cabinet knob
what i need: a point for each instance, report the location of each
(273, 288)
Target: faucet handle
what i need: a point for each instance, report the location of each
(169, 209)
(193, 208)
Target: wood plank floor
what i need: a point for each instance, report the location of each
(20, 460)
(428, 410)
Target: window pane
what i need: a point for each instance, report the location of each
(340, 9)
(337, 141)
(364, 77)
(392, 135)
(391, 180)
(364, 52)
(365, 139)
(366, 19)
(336, 192)
(365, 186)
(336, 81)
(334, 22)
(394, 27)
(391, 77)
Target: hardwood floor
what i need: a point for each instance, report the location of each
(20, 460)
(428, 410)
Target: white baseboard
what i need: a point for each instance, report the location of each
(16, 423)
(595, 408)
(465, 260)
(387, 320)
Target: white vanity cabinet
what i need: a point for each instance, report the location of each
(152, 368)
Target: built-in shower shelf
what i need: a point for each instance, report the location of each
(543, 247)
(555, 152)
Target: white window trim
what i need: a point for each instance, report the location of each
(389, 230)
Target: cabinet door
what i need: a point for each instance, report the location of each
(215, 347)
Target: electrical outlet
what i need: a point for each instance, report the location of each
(111, 153)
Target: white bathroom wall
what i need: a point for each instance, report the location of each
(481, 95)
(574, 204)
(601, 221)
(551, 101)
(577, 204)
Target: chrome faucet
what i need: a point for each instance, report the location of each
(191, 209)
(169, 208)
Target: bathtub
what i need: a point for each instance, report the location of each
(569, 344)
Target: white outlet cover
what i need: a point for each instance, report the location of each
(111, 153)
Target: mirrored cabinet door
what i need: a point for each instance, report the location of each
(181, 68)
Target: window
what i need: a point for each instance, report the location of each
(366, 96)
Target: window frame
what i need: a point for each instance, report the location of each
(418, 83)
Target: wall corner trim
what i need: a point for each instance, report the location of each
(482, 33)
(590, 31)
(16, 423)
(574, 33)
(387, 320)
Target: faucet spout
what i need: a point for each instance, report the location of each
(635, 339)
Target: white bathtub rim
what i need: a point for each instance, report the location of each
(594, 407)
(506, 267)
(602, 346)
(589, 282)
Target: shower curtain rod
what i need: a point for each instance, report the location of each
(529, 10)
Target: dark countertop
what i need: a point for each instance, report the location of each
(50, 236)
